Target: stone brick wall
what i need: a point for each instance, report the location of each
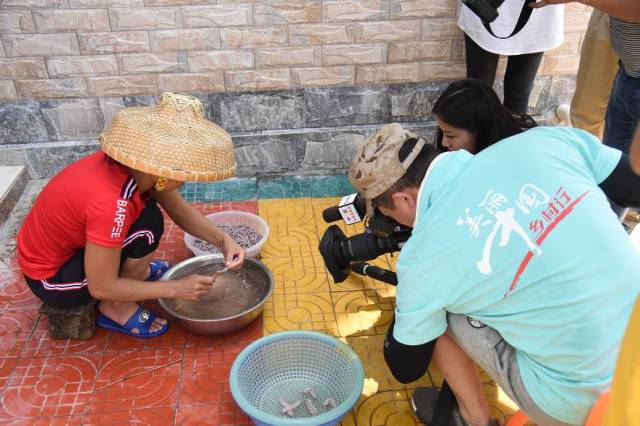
(54, 49)
(298, 83)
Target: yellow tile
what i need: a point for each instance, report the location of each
(298, 274)
(361, 312)
(294, 242)
(359, 282)
(289, 213)
(358, 310)
(307, 311)
(391, 408)
(501, 406)
(292, 230)
(378, 378)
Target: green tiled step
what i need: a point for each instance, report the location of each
(240, 189)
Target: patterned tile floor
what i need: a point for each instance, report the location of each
(181, 378)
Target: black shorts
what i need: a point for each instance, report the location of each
(68, 287)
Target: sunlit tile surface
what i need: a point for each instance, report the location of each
(357, 310)
(181, 378)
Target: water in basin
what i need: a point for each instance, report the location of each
(232, 292)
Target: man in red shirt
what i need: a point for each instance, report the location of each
(92, 231)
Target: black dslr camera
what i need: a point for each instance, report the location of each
(343, 254)
(487, 10)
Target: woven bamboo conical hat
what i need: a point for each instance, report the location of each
(171, 139)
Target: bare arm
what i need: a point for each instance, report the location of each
(628, 10)
(102, 266)
(192, 221)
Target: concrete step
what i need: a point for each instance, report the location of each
(13, 180)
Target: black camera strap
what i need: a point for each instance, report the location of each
(525, 14)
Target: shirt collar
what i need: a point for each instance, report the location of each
(444, 168)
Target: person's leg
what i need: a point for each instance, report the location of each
(481, 65)
(518, 81)
(460, 373)
(623, 111)
(598, 67)
(486, 347)
(621, 118)
(136, 268)
(142, 241)
(67, 288)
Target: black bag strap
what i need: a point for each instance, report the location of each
(525, 14)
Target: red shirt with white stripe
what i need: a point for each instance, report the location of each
(94, 199)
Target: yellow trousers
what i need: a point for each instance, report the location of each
(598, 67)
(624, 405)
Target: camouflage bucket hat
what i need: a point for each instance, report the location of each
(376, 166)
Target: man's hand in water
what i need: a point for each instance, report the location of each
(193, 287)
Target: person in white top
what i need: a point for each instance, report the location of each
(543, 31)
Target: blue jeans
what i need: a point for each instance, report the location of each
(622, 117)
(623, 111)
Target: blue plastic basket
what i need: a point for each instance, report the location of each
(283, 365)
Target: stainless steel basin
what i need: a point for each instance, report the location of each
(259, 275)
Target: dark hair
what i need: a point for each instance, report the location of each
(474, 106)
(413, 176)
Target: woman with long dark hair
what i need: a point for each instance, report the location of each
(470, 116)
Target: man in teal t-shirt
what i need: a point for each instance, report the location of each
(515, 257)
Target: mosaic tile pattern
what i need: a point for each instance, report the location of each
(357, 310)
(284, 187)
(181, 378)
(330, 186)
(242, 189)
(50, 386)
(113, 379)
(15, 331)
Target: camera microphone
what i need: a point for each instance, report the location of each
(351, 209)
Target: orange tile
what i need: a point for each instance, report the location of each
(40, 344)
(58, 382)
(51, 386)
(205, 373)
(174, 338)
(15, 294)
(211, 414)
(15, 331)
(53, 421)
(248, 334)
(151, 381)
(160, 416)
(7, 366)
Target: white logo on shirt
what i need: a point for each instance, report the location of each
(495, 204)
(531, 197)
(119, 218)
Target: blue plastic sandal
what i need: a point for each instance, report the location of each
(157, 269)
(141, 319)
